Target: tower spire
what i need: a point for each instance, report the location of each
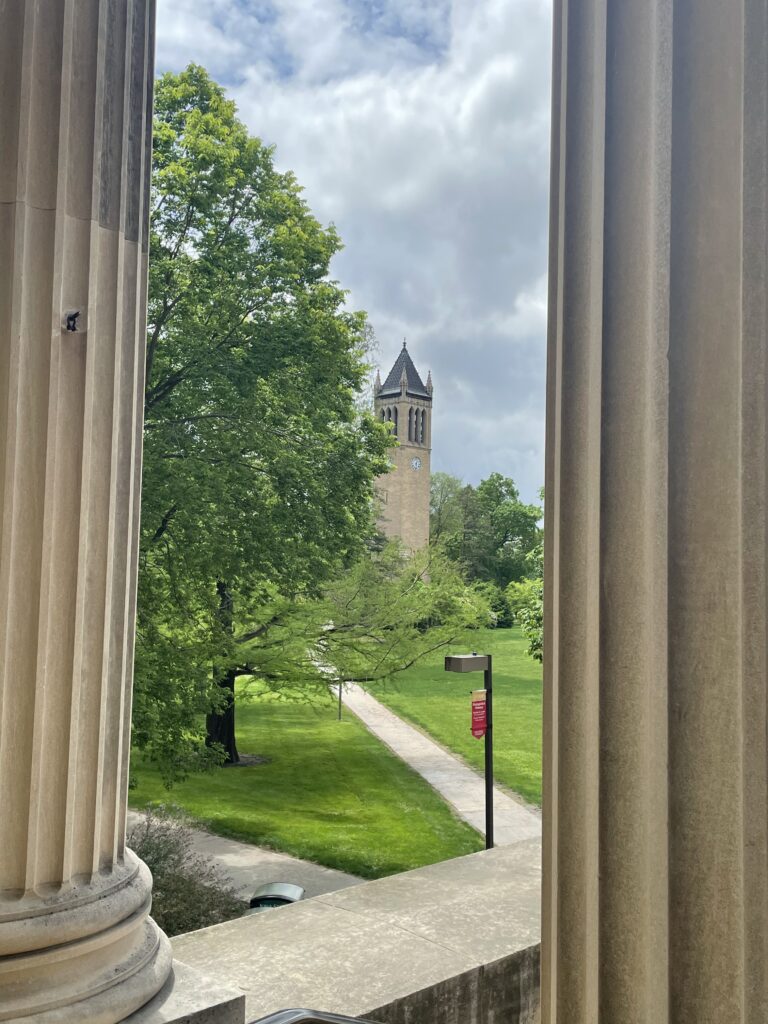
(403, 369)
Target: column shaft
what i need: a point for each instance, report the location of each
(655, 650)
(76, 942)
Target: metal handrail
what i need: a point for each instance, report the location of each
(309, 1017)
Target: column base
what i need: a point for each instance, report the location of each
(189, 997)
(104, 958)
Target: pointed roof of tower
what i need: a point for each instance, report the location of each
(404, 368)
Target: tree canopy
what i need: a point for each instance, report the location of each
(258, 461)
(386, 612)
(487, 529)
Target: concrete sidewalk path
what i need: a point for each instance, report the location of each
(252, 866)
(462, 787)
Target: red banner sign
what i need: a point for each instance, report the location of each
(479, 714)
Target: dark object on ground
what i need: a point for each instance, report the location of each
(248, 761)
(189, 891)
(276, 894)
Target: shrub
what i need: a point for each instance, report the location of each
(189, 891)
(500, 608)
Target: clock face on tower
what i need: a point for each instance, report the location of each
(416, 463)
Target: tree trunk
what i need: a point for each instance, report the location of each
(220, 725)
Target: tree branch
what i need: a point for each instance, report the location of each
(164, 524)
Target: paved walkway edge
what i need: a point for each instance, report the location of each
(249, 866)
(457, 783)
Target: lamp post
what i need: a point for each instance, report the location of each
(481, 663)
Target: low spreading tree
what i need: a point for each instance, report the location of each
(394, 609)
(389, 610)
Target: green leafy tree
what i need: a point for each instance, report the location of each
(393, 609)
(258, 461)
(526, 600)
(446, 513)
(487, 530)
(499, 531)
(384, 614)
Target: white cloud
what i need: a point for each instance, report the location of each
(421, 129)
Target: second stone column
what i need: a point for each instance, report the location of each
(655, 900)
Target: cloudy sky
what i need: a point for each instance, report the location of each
(420, 128)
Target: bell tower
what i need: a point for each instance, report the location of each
(405, 402)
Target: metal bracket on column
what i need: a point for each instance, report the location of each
(70, 320)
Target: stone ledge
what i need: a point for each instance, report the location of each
(189, 997)
(455, 942)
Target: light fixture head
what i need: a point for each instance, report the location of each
(466, 662)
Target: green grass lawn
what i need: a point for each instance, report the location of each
(330, 793)
(438, 702)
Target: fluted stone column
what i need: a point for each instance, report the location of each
(656, 851)
(76, 942)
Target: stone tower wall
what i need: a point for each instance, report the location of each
(404, 491)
